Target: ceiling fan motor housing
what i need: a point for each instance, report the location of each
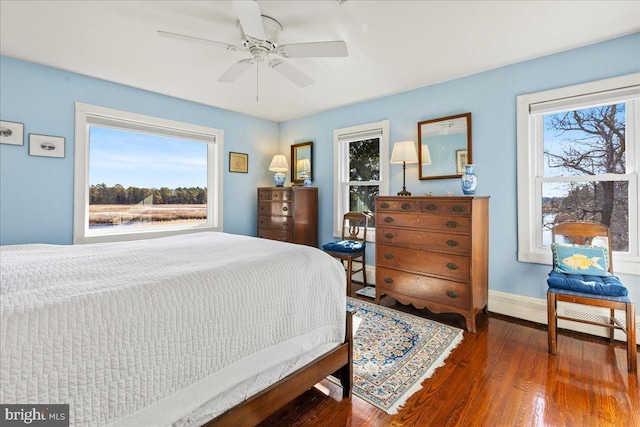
(261, 48)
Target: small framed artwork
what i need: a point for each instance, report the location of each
(238, 162)
(461, 160)
(47, 146)
(11, 133)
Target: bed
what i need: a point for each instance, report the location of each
(183, 330)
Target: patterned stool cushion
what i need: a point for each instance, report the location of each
(594, 285)
(346, 246)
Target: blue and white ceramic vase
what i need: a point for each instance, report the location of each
(279, 179)
(469, 180)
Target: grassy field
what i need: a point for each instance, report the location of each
(136, 215)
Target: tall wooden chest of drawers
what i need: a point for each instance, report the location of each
(433, 252)
(288, 214)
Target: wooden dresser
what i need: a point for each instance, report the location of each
(433, 252)
(288, 214)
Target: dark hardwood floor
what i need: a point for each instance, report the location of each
(500, 376)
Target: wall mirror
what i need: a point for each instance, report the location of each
(444, 146)
(302, 162)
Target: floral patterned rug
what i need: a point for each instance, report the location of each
(394, 352)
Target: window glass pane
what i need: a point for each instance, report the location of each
(362, 198)
(606, 202)
(588, 141)
(364, 160)
(142, 180)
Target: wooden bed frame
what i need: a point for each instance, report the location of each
(265, 403)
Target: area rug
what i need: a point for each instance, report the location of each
(367, 291)
(394, 352)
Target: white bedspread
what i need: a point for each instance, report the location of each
(114, 328)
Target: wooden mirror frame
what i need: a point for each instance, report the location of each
(294, 161)
(458, 173)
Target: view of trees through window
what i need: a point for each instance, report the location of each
(364, 175)
(139, 179)
(585, 151)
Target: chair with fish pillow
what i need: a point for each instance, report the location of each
(583, 274)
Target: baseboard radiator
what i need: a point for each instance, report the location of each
(535, 310)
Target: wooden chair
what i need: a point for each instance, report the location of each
(584, 233)
(353, 244)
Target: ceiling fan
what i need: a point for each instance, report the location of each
(260, 38)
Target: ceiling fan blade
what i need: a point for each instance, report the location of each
(292, 73)
(235, 71)
(197, 40)
(250, 18)
(314, 49)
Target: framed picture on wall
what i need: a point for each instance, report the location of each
(46, 146)
(461, 160)
(238, 162)
(11, 133)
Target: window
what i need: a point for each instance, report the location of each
(578, 159)
(361, 155)
(139, 176)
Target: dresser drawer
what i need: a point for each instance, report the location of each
(455, 267)
(275, 208)
(458, 224)
(398, 205)
(275, 195)
(282, 223)
(424, 240)
(443, 206)
(445, 292)
(283, 236)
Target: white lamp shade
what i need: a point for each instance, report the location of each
(404, 151)
(279, 164)
(303, 166)
(426, 156)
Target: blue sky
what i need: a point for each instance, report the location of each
(144, 160)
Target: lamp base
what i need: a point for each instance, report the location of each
(404, 192)
(279, 179)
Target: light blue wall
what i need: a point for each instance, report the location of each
(36, 193)
(491, 98)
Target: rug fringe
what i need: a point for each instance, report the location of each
(440, 361)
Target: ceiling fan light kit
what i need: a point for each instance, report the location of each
(260, 38)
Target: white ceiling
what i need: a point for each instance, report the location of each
(393, 46)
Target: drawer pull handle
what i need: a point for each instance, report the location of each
(388, 256)
(261, 208)
(452, 243)
(388, 219)
(275, 196)
(284, 239)
(452, 224)
(452, 266)
(285, 223)
(388, 279)
(457, 208)
(431, 207)
(384, 205)
(406, 206)
(452, 294)
(285, 208)
(388, 235)
(262, 221)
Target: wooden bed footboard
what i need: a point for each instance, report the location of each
(265, 403)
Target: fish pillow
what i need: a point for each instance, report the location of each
(580, 259)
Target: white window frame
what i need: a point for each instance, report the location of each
(91, 115)
(530, 163)
(341, 139)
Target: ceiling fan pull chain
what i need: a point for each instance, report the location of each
(257, 82)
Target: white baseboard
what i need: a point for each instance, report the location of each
(371, 274)
(535, 310)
